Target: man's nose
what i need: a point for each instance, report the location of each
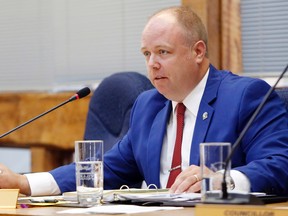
(153, 62)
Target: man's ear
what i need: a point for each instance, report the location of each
(199, 49)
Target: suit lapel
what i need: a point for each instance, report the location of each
(203, 120)
(155, 142)
(205, 114)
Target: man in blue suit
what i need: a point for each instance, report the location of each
(218, 106)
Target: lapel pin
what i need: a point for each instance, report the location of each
(205, 115)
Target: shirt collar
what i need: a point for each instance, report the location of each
(192, 101)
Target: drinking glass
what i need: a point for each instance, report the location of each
(89, 171)
(212, 165)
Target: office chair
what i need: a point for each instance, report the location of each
(110, 106)
(283, 94)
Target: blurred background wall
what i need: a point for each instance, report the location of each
(61, 45)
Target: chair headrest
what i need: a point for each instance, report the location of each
(115, 96)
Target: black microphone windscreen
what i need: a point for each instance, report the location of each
(80, 94)
(83, 92)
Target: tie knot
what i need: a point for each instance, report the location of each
(180, 109)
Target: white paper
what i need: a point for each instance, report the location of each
(161, 197)
(140, 195)
(116, 209)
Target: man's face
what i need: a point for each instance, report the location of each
(170, 61)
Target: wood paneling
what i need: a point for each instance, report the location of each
(222, 20)
(51, 138)
(231, 44)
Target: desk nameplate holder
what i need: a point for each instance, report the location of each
(8, 198)
(230, 209)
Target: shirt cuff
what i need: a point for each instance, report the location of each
(241, 182)
(42, 183)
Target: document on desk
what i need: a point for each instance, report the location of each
(117, 209)
(161, 197)
(153, 198)
(41, 201)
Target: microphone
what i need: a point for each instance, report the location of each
(234, 198)
(80, 94)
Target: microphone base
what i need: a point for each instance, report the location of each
(233, 198)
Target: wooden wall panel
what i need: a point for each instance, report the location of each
(50, 138)
(222, 20)
(231, 44)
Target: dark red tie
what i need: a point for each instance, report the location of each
(176, 161)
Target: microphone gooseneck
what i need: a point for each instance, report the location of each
(237, 142)
(80, 94)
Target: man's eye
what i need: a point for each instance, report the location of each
(146, 53)
(163, 52)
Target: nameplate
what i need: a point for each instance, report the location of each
(280, 209)
(8, 198)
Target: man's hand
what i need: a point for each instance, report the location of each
(188, 180)
(11, 180)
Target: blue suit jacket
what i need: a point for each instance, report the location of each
(230, 101)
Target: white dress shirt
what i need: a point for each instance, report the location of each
(191, 102)
(42, 183)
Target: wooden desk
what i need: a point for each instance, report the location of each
(275, 209)
(52, 211)
(50, 138)
(189, 211)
